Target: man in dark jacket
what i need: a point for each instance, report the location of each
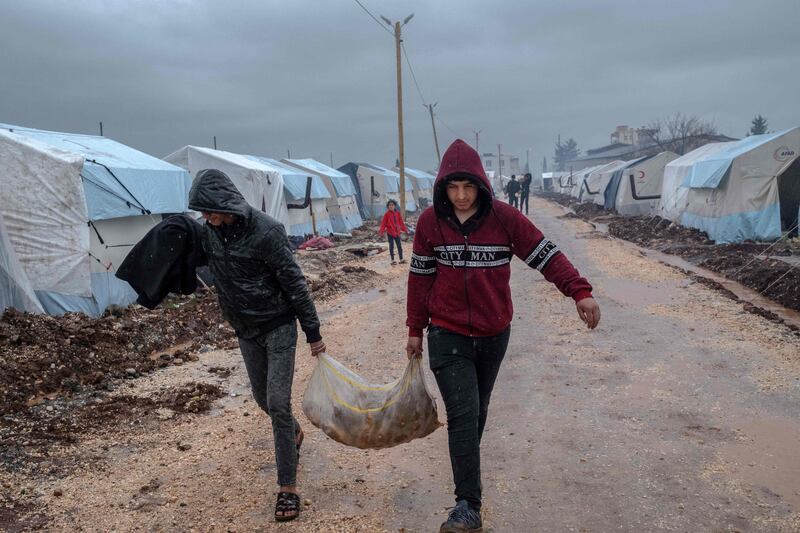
(262, 293)
(525, 192)
(458, 288)
(513, 189)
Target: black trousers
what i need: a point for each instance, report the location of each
(392, 242)
(465, 370)
(524, 200)
(515, 201)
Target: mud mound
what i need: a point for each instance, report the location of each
(64, 421)
(335, 282)
(741, 262)
(45, 357)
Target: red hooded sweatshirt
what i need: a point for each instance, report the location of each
(392, 224)
(459, 278)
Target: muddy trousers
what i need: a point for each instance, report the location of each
(465, 369)
(392, 242)
(269, 360)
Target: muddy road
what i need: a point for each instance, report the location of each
(679, 413)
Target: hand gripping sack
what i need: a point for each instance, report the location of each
(356, 413)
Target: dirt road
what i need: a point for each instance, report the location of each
(680, 413)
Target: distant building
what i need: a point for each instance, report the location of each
(632, 136)
(507, 165)
(626, 152)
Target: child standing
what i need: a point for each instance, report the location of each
(393, 225)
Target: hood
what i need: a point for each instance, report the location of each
(213, 191)
(461, 161)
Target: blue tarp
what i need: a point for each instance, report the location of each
(119, 181)
(762, 225)
(341, 181)
(294, 180)
(708, 173)
(106, 290)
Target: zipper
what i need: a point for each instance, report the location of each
(466, 291)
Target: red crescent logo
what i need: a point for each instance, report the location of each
(641, 174)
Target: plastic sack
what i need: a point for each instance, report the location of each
(356, 413)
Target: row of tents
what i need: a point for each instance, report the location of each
(73, 206)
(734, 191)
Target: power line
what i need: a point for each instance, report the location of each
(413, 76)
(384, 28)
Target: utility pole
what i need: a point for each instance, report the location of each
(477, 136)
(332, 160)
(215, 142)
(499, 163)
(435, 138)
(288, 154)
(101, 129)
(398, 44)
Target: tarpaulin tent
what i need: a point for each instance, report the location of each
(74, 205)
(636, 188)
(572, 183)
(342, 205)
(15, 289)
(423, 185)
(674, 196)
(266, 184)
(376, 186)
(746, 190)
(593, 185)
(314, 218)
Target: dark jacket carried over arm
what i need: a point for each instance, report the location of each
(259, 284)
(165, 260)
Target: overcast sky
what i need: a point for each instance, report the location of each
(317, 77)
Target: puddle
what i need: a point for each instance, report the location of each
(766, 456)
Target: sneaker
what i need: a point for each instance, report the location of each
(393, 262)
(462, 519)
(402, 261)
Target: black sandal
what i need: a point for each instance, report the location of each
(288, 502)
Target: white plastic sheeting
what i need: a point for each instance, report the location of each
(595, 183)
(44, 208)
(674, 196)
(15, 289)
(260, 184)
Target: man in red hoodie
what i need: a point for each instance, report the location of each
(458, 288)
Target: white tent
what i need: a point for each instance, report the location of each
(593, 186)
(747, 190)
(74, 205)
(15, 289)
(572, 183)
(376, 186)
(674, 196)
(265, 184)
(636, 188)
(342, 205)
(313, 218)
(423, 186)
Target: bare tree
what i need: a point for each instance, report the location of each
(680, 133)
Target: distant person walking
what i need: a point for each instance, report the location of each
(393, 226)
(513, 189)
(525, 192)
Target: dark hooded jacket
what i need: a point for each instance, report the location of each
(259, 284)
(459, 273)
(165, 260)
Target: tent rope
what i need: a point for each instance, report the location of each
(144, 209)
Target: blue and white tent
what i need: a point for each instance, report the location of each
(315, 217)
(636, 188)
(74, 205)
(266, 184)
(423, 185)
(747, 189)
(342, 206)
(376, 186)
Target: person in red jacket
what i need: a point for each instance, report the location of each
(458, 288)
(392, 225)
